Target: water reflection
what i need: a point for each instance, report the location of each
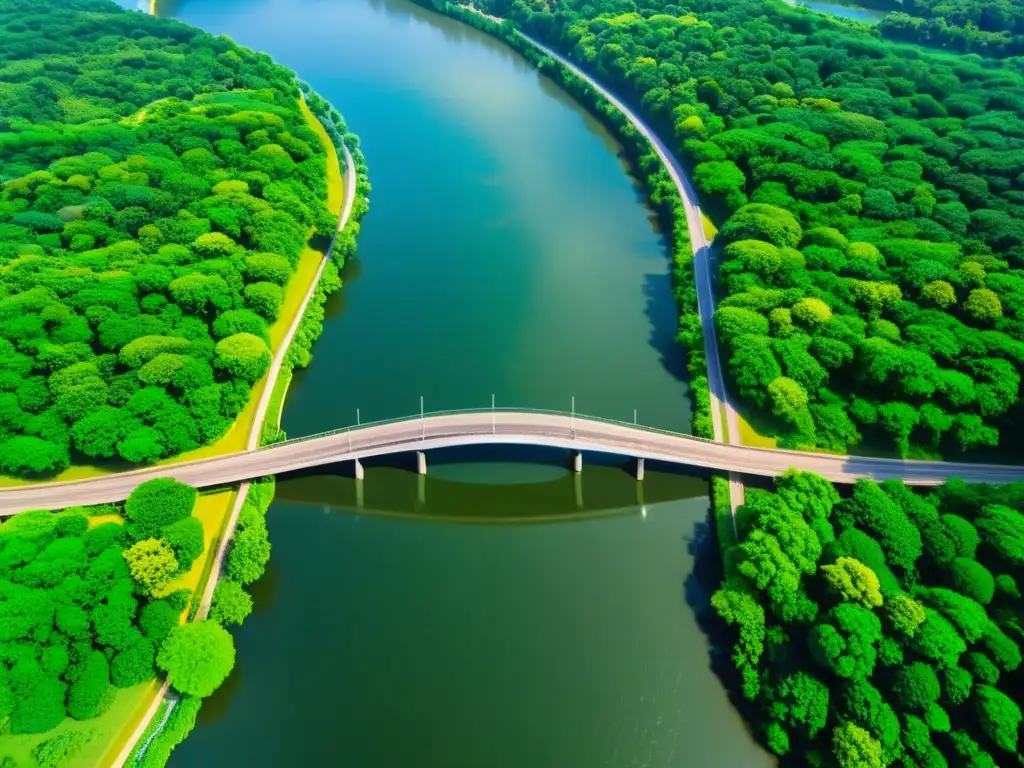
(489, 492)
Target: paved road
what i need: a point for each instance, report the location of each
(730, 430)
(498, 427)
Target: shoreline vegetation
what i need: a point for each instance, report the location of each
(869, 258)
(283, 317)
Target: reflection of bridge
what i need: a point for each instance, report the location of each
(509, 427)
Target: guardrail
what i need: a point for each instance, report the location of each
(498, 409)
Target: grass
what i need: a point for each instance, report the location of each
(112, 729)
(710, 230)
(212, 510)
(750, 436)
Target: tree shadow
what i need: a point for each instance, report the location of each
(704, 578)
(662, 316)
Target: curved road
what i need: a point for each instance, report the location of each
(499, 427)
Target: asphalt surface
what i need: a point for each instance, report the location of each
(499, 427)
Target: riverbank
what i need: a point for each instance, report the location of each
(342, 194)
(713, 416)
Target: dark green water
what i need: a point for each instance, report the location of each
(500, 612)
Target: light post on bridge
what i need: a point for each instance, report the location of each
(494, 429)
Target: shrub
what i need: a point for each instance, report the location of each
(158, 503)
(197, 657)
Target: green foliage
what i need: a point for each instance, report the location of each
(853, 581)
(57, 750)
(128, 237)
(971, 578)
(91, 693)
(197, 657)
(917, 686)
(846, 640)
(999, 715)
(152, 564)
(853, 747)
(231, 604)
(156, 504)
(185, 538)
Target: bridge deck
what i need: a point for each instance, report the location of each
(497, 427)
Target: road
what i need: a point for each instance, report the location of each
(252, 442)
(556, 430)
(730, 430)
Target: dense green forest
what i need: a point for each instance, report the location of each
(86, 609)
(987, 27)
(881, 627)
(870, 275)
(159, 185)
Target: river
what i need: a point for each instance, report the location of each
(502, 611)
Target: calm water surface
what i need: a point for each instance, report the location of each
(500, 612)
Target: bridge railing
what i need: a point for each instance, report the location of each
(483, 411)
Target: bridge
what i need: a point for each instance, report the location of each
(424, 432)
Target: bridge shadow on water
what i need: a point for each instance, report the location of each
(490, 485)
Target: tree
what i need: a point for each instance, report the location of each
(42, 709)
(249, 554)
(983, 305)
(152, 564)
(854, 582)
(231, 603)
(158, 503)
(999, 715)
(197, 657)
(938, 640)
(853, 747)
(788, 398)
(242, 356)
(157, 619)
(1002, 529)
(846, 641)
(973, 580)
(871, 508)
(917, 686)
(801, 702)
(904, 613)
(134, 664)
(185, 538)
(91, 693)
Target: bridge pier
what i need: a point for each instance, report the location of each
(639, 470)
(421, 462)
(358, 469)
(577, 461)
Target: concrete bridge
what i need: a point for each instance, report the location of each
(419, 434)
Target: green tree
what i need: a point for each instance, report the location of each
(152, 564)
(242, 356)
(91, 694)
(185, 538)
(853, 747)
(999, 716)
(156, 504)
(231, 604)
(854, 582)
(197, 657)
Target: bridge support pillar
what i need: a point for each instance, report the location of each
(639, 470)
(577, 461)
(358, 469)
(421, 462)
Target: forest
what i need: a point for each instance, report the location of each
(88, 607)
(870, 256)
(879, 626)
(159, 185)
(987, 27)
